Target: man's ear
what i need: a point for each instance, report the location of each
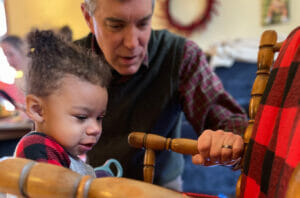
(34, 108)
(87, 17)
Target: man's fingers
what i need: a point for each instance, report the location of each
(204, 144)
(237, 147)
(219, 147)
(216, 146)
(226, 155)
(198, 159)
(226, 148)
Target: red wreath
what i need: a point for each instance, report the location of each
(198, 23)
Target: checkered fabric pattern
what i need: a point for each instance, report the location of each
(42, 148)
(274, 148)
(205, 102)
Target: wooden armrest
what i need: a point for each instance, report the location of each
(156, 142)
(41, 180)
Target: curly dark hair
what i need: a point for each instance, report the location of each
(52, 58)
(66, 32)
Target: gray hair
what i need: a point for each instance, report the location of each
(92, 4)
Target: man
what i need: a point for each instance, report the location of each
(156, 75)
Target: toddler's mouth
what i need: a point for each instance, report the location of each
(86, 147)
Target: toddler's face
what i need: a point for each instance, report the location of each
(73, 114)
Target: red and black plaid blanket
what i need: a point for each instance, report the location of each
(274, 149)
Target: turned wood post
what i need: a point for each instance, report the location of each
(265, 59)
(152, 142)
(149, 166)
(27, 178)
(294, 184)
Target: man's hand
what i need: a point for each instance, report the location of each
(218, 147)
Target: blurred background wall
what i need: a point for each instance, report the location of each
(241, 19)
(23, 15)
(234, 19)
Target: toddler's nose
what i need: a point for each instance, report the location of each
(94, 129)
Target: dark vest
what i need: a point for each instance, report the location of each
(147, 102)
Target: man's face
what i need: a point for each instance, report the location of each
(122, 30)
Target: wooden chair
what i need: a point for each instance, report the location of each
(26, 178)
(267, 49)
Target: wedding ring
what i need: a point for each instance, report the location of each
(226, 146)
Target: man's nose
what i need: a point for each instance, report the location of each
(131, 38)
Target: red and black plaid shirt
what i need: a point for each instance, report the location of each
(42, 148)
(205, 102)
(274, 148)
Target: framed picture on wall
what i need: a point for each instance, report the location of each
(275, 12)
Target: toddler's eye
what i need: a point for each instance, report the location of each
(99, 118)
(81, 117)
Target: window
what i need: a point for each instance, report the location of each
(7, 73)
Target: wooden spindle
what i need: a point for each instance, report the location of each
(294, 184)
(156, 142)
(265, 59)
(47, 180)
(149, 165)
(42, 179)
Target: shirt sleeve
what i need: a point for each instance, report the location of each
(205, 102)
(42, 149)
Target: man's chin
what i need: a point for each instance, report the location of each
(128, 71)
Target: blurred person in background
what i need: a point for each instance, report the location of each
(14, 49)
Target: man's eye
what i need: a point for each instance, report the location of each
(115, 26)
(143, 24)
